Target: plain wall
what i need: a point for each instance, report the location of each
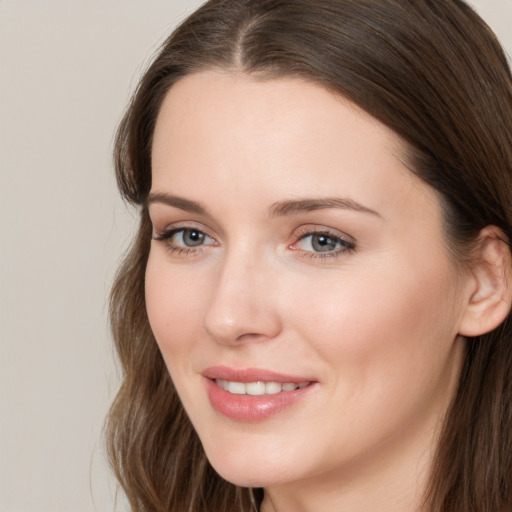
(66, 71)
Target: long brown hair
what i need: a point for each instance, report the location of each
(433, 72)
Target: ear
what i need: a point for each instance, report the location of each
(491, 293)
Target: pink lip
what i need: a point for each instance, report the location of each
(251, 375)
(247, 408)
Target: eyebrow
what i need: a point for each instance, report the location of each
(176, 202)
(278, 209)
(282, 208)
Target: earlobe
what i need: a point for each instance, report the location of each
(491, 296)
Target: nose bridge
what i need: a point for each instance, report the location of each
(242, 305)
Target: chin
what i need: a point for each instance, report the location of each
(244, 470)
(248, 477)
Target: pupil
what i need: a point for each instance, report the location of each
(192, 238)
(323, 243)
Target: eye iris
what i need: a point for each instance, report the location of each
(192, 237)
(323, 243)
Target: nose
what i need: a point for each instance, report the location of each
(243, 303)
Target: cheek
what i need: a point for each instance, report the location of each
(386, 328)
(388, 345)
(173, 303)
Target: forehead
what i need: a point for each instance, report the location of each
(275, 137)
(213, 104)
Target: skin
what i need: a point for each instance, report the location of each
(376, 326)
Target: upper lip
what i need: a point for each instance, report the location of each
(251, 375)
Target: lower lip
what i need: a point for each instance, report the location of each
(249, 408)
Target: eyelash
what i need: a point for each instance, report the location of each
(166, 235)
(347, 244)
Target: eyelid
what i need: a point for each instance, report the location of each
(166, 234)
(175, 227)
(312, 229)
(348, 242)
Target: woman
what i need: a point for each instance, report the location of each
(315, 312)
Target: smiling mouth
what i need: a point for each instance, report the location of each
(252, 395)
(259, 388)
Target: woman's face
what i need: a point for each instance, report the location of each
(298, 263)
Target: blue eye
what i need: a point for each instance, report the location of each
(323, 244)
(189, 237)
(184, 239)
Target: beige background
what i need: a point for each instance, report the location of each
(66, 71)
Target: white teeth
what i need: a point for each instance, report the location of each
(255, 388)
(271, 388)
(222, 383)
(237, 388)
(258, 388)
